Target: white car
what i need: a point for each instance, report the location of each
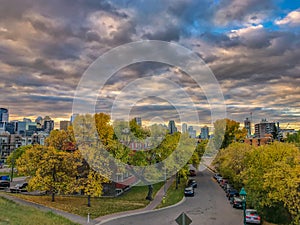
(252, 216)
(219, 179)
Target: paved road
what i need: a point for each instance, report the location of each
(208, 207)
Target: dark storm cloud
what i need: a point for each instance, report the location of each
(168, 33)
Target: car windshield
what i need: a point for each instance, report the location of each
(252, 213)
(188, 188)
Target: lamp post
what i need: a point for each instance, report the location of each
(243, 195)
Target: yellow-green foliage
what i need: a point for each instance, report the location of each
(270, 174)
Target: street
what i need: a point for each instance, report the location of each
(209, 207)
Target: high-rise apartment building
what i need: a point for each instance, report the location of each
(264, 127)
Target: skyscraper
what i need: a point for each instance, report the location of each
(204, 133)
(172, 127)
(4, 115)
(48, 124)
(73, 117)
(184, 128)
(192, 132)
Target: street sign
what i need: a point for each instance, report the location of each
(183, 219)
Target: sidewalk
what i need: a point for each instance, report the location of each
(151, 206)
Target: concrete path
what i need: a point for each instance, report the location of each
(81, 220)
(74, 218)
(151, 206)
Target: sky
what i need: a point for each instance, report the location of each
(252, 47)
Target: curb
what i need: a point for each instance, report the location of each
(171, 206)
(142, 212)
(209, 169)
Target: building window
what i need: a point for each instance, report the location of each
(119, 177)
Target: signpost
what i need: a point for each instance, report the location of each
(183, 219)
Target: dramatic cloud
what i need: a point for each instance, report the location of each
(251, 46)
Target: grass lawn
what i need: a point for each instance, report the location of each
(15, 214)
(173, 195)
(133, 199)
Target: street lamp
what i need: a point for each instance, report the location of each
(243, 195)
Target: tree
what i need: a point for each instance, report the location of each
(49, 169)
(294, 138)
(228, 131)
(272, 177)
(231, 162)
(92, 185)
(62, 140)
(269, 173)
(12, 158)
(99, 146)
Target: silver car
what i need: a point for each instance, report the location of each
(252, 216)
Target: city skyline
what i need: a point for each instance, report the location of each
(182, 126)
(251, 47)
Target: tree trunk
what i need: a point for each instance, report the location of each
(176, 180)
(53, 194)
(53, 177)
(150, 191)
(89, 201)
(12, 172)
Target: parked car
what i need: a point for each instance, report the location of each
(227, 188)
(6, 177)
(219, 179)
(252, 216)
(4, 184)
(189, 191)
(237, 203)
(192, 183)
(232, 193)
(217, 175)
(193, 173)
(19, 188)
(223, 183)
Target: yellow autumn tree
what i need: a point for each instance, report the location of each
(49, 169)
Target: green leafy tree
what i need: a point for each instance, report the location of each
(272, 177)
(231, 162)
(12, 158)
(228, 131)
(294, 138)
